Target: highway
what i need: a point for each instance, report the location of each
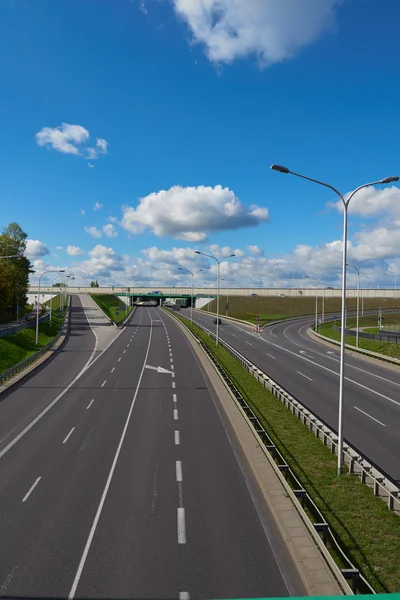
(309, 370)
(120, 481)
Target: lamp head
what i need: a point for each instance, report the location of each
(279, 168)
(389, 179)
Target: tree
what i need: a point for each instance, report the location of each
(14, 272)
(94, 284)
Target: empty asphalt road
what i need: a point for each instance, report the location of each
(309, 370)
(124, 484)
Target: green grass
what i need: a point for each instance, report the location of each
(392, 350)
(368, 533)
(110, 305)
(19, 346)
(273, 308)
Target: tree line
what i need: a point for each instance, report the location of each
(14, 271)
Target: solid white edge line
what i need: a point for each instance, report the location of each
(29, 492)
(70, 433)
(367, 415)
(108, 482)
(87, 366)
(177, 437)
(181, 526)
(175, 414)
(90, 404)
(178, 470)
(302, 374)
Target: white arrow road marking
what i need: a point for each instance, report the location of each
(159, 369)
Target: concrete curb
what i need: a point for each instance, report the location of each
(318, 571)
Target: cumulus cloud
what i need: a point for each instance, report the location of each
(372, 201)
(71, 139)
(93, 231)
(189, 213)
(74, 251)
(271, 30)
(109, 230)
(102, 263)
(36, 248)
(97, 206)
(99, 150)
(59, 247)
(255, 250)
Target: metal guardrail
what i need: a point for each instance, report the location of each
(23, 364)
(5, 331)
(377, 355)
(359, 583)
(391, 337)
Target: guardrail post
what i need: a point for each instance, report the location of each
(322, 527)
(354, 575)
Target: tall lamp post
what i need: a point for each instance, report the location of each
(316, 300)
(218, 261)
(358, 301)
(38, 302)
(227, 290)
(346, 203)
(191, 300)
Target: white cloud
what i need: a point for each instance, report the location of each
(36, 248)
(71, 139)
(271, 30)
(102, 263)
(82, 212)
(74, 251)
(59, 247)
(110, 230)
(65, 138)
(90, 165)
(372, 201)
(93, 231)
(100, 150)
(255, 250)
(188, 213)
(97, 206)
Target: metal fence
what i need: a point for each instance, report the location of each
(23, 364)
(387, 336)
(23, 325)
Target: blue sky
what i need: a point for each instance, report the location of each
(177, 115)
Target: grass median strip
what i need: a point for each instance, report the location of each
(21, 345)
(386, 348)
(112, 306)
(367, 531)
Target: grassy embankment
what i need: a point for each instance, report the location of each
(386, 348)
(19, 346)
(368, 533)
(274, 308)
(111, 306)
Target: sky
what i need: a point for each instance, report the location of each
(134, 132)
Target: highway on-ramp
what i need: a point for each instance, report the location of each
(309, 370)
(124, 483)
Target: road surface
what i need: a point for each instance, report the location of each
(309, 370)
(128, 486)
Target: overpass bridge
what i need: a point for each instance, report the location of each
(211, 292)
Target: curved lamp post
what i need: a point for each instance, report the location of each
(38, 300)
(346, 203)
(191, 302)
(358, 301)
(218, 261)
(316, 300)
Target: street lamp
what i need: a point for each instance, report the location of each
(358, 300)
(191, 301)
(346, 203)
(63, 291)
(11, 256)
(227, 289)
(218, 261)
(316, 300)
(38, 300)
